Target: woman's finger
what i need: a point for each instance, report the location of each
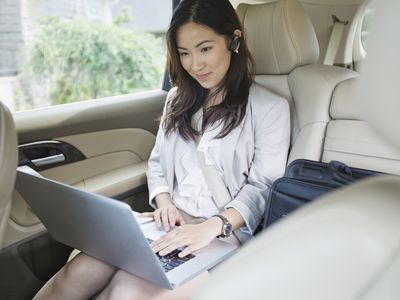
(146, 215)
(164, 219)
(157, 217)
(169, 244)
(171, 247)
(188, 250)
(172, 217)
(161, 242)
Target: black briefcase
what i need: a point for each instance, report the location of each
(306, 180)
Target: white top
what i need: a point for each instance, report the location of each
(191, 193)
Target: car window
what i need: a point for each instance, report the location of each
(62, 51)
(366, 24)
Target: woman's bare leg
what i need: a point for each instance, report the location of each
(81, 278)
(127, 286)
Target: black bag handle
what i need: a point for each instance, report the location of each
(341, 172)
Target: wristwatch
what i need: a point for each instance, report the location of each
(226, 229)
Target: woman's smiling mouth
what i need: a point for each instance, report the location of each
(202, 77)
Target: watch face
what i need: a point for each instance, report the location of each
(227, 229)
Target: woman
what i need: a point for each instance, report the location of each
(215, 118)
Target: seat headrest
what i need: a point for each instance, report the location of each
(280, 36)
(8, 154)
(378, 90)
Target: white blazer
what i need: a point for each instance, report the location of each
(253, 155)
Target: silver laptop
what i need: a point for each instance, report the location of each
(108, 230)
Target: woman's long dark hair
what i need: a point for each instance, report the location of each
(220, 16)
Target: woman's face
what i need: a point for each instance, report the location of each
(203, 54)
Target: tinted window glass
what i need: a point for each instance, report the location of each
(61, 51)
(366, 24)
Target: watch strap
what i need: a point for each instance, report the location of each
(225, 223)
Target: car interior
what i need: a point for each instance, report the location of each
(310, 52)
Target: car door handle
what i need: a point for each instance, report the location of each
(46, 154)
(49, 160)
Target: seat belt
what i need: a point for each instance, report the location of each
(334, 40)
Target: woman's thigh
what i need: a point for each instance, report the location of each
(80, 278)
(127, 286)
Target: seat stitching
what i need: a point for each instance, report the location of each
(273, 40)
(296, 46)
(360, 154)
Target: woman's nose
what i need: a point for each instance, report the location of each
(197, 63)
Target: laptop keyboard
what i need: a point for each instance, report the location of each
(172, 260)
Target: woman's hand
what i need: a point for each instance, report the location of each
(166, 217)
(190, 236)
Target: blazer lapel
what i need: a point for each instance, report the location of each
(168, 158)
(232, 164)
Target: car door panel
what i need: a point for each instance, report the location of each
(138, 110)
(105, 152)
(115, 137)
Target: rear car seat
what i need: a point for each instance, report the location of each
(326, 119)
(350, 139)
(284, 45)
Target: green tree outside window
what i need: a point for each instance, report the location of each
(80, 59)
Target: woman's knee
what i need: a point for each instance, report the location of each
(84, 263)
(84, 267)
(126, 286)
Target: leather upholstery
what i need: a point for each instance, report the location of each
(8, 165)
(343, 104)
(279, 37)
(312, 87)
(382, 103)
(350, 139)
(356, 143)
(285, 48)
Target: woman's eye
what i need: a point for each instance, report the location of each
(183, 54)
(206, 49)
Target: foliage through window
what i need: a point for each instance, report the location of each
(84, 49)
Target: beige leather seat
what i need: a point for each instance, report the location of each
(285, 48)
(346, 245)
(326, 121)
(8, 165)
(350, 139)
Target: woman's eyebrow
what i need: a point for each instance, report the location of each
(198, 45)
(201, 43)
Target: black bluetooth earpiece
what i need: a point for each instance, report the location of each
(234, 43)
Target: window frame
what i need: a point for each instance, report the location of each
(166, 85)
(359, 51)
